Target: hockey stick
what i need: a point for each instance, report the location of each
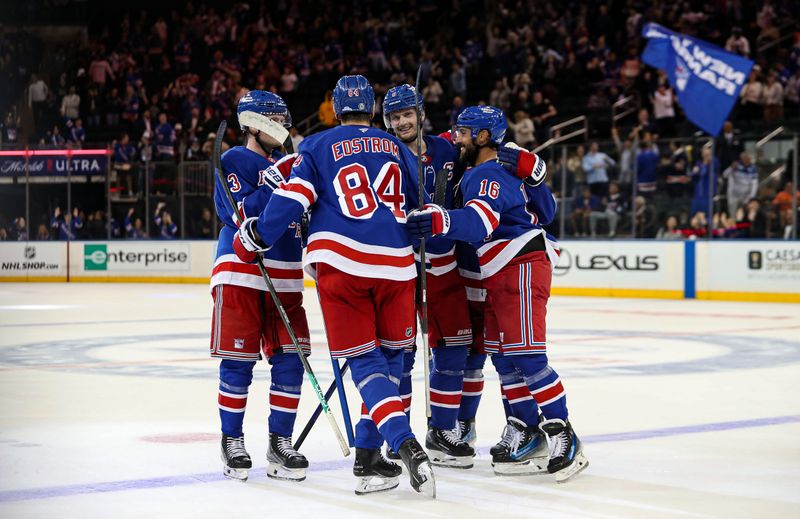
(328, 394)
(440, 187)
(237, 219)
(426, 354)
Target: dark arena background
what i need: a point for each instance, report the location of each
(669, 131)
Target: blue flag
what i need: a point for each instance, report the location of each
(707, 79)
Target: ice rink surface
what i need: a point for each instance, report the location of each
(687, 409)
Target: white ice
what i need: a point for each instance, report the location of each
(108, 409)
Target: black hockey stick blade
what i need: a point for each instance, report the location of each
(440, 187)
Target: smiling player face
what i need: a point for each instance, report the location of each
(466, 145)
(404, 124)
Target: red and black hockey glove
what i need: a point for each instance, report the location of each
(524, 164)
(246, 242)
(432, 220)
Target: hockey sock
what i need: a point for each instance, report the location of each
(234, 380)
(545, 385)
(520, 403)
(472, 389)
(284, 392)
(447, 377)
(405, 381)
(376, 374)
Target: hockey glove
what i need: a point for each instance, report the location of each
(246, 242)
(525, 165)
(432, 220)
(272, 178)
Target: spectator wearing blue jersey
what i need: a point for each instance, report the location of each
(124, 154)
(165, 138)
(167, 229)
(60, 225)
(704, 175)
(647, 161)
(133, 226)
(595, 164)
(585, 204)
(77, 134)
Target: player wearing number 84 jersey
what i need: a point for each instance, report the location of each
(359, 183)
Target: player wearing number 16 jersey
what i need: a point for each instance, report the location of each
(516, 259)
(359, 183)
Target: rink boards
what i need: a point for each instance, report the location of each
(752, 270)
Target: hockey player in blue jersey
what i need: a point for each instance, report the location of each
(450, 331)
(516, 259)
(360, 183)
(246, 324)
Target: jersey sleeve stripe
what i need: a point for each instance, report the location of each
(298, 192)
(359, 256)
(490, 218)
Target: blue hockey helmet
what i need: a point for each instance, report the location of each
(488, 118)
(257, 105)
(400, 98)
(352, 95)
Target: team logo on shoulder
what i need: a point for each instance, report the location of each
(297, 161)
(409, 331)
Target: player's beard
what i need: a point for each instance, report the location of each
(409, 139)
(468, 154)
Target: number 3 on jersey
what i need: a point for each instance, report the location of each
(357, 198)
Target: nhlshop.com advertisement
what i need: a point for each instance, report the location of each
(20, 260)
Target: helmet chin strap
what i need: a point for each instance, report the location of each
(267, 149)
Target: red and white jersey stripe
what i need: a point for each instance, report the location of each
(359, 259)
(232, 402)
(549, 393)
(386, 409)
(440, 263)
(287, 276)
(282, 401)
(446, 399)
(299, 190)
(489, 217)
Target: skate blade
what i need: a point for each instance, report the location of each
(440, 459)
(521, 468)
(276, 471)
(372, 484)
(235, 474)
(428, 485)
(578, 465)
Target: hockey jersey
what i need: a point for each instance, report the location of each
(501, 214)
(360, 182)
(439, 155)
(246, 172)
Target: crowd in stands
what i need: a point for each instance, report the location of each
(157, 82)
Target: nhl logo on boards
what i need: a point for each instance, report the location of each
(30, 252)
(409, 331)
(238, 344)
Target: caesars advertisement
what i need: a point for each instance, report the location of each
(749, 266)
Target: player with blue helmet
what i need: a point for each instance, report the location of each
(360, 182)
(502, 218)
(246, 324)
(264, 117)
